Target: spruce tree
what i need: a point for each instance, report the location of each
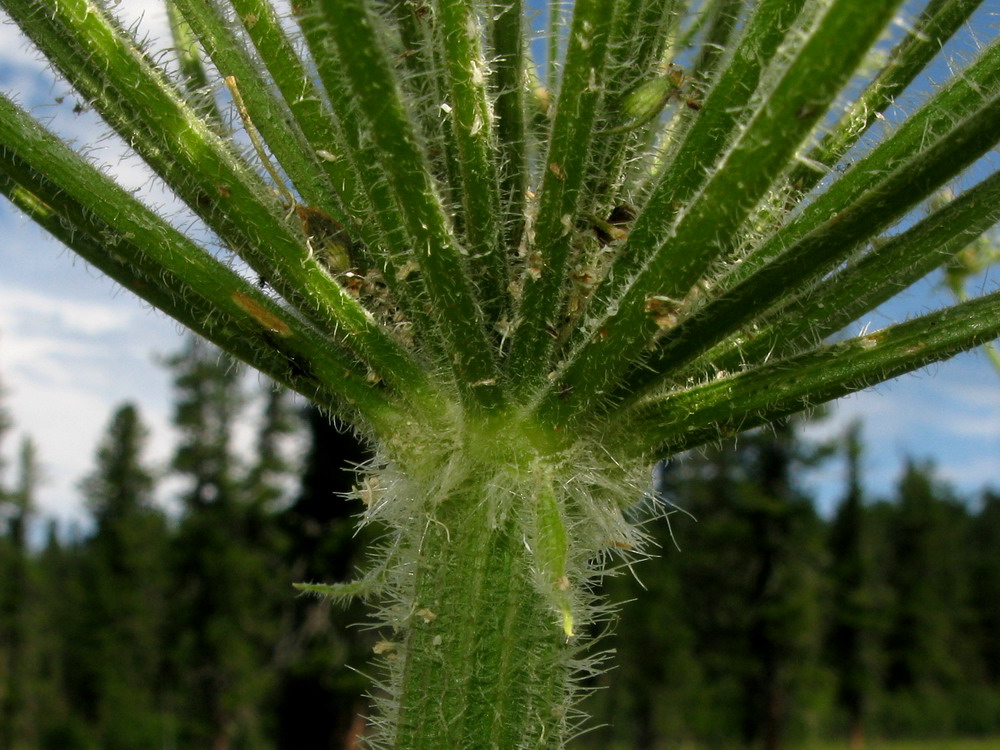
(983, 697)
(751, 575)
(124, 604)
(60, 641)
(984, 544)
(853, 611)
(16, 507)
(927, 653)
(69, 709)
(267, 481)
(222, 578)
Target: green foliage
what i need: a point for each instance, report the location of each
(744, 606)
(17, 505)
(925, 649)
(223, 601)
(121, 608)
(537, 289)
(856, 604)
(986, 583)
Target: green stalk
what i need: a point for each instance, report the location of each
(244, 339)
(269, 114)
(426, 87)
(553, 36)
(682, 419)
(937, 23)
(803, 262)
(705, 11)
(349, 165)
(507, 86)
(116, 76)
(565, 170)
(472, 132)
(369, 76)
(721, 24)
(150, 245)
(961, 98)
(305, 136)
(638, 38)
(702, 144)
(798, 93)
(306, 106)
(710, 134)
(890, 265)
(477, 640)
(194, 80)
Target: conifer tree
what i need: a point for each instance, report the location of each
(221, 570)
(17, 505)
(853, 611)
(751, 575)
(267, 482)
(60, 721)
(926, 651)
(985, 586)
(979, 699)
(125, 565)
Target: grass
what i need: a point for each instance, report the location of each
(946, 743)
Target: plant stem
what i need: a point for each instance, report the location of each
(479, 668)
(562, 179)
(686, 418)
(487, 584)
(369, 74)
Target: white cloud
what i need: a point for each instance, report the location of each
(949, 413)
(67, 422)
(71, 349)
(971, 466)
(39, 309)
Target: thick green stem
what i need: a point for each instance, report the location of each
(482, 661)
(487, 584)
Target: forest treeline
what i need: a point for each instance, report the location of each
(760, 624)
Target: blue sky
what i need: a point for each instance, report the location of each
(73, 346)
